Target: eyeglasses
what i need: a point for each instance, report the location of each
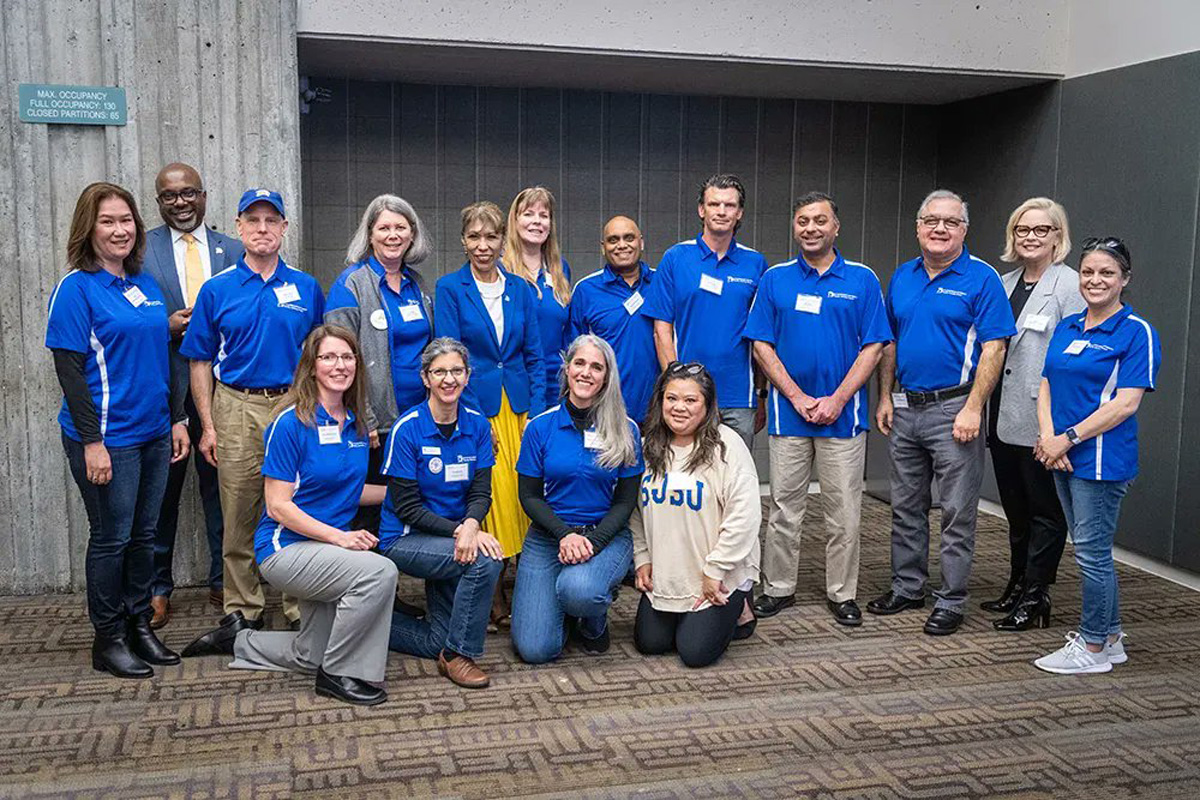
(188, 195)
(440, 374)
(329, 359)
(1039, 231)
(680, 368)
(951, 223)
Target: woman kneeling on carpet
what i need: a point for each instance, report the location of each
(315, 467)
(695, 533)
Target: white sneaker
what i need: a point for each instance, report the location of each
(1116, 650)
(1074, 658)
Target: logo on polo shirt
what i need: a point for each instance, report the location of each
(841, 295)
(1097, 346)
(357, 444)
(462, 458)
(736, 279)
(294, 307)
(955, 292)
(435, 465)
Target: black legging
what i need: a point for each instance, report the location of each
(1037, 529)
(700, 637)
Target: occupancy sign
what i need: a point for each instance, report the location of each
(72, 105)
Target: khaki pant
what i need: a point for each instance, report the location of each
(240, 420)
(840, 463)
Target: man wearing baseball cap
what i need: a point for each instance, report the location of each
(244, 341)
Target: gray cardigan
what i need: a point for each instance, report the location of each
(363, 283)
(1055, 296)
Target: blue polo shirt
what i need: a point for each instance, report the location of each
(442, 467)
(707, 301)
(328, 477)
(1085, 369)
(120, 325)
(576, 488)
(604, 304)
(407, 326)
(818, 324)
(941, 324)
(250, 329)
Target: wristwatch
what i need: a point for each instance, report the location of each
(762, 393)
(1072, 436)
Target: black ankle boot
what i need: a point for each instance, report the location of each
(1033, 609)
(1007, 601)
(112, 654)
(145, 644)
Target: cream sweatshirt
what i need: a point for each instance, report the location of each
(688, 524)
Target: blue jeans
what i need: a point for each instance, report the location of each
(122, 518)
(1092, 508)
(547, 590)
(457, 597)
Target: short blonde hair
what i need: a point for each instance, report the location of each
(1058, 216)
(484, 211)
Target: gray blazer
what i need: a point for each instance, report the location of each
(1055, 296)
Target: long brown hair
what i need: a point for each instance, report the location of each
(303, 394)
(551, 255)
(656, 439)
(80, 253)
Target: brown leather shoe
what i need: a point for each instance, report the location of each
(161, 606)
(463, 671)
(216, 597)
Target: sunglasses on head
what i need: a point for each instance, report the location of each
(680, 368)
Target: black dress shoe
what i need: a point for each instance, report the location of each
(768, 606)
(111, 654)
(847, 613)
(1033, 609)
(892, 603)
(219, 641)
(348, 690)
(146, 645)
(1007, 601)
(745, 630)
(943, 622)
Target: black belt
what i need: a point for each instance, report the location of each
(266, 391)
(925, 398)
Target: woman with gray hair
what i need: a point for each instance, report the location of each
(383, 300)
(1042, 291)
(578, 477)
(439, 464)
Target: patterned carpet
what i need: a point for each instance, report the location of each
(805, 708)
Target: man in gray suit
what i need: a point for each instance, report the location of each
(181, 255)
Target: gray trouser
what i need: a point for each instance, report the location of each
(345, 613)
(922, 448)
(742, 421)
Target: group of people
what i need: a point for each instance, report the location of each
(592, 433)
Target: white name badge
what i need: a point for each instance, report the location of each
(1076, 347)
(134, 295)
(288, 293)
(411, 312)
(457, 472)
(329, 434)
(710, 284)
(591, 440)
(634, 303)
(808, 303)
(379, 320)
(1037, 322)
(899, 400)
(431, 451)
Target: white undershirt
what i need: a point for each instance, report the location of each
(493, 301)
(179, 246)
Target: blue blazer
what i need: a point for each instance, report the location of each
(514, 365)
(159, 263)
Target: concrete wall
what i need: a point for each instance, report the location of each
(211, 83)
(1106, 34)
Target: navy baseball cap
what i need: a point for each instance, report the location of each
(252, 196)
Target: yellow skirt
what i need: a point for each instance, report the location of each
(507, 521)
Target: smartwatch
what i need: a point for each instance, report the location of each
(1072, 436)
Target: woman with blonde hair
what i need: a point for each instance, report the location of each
(531, 252)
(1042, 290)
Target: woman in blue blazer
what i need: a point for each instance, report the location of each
(495, 315)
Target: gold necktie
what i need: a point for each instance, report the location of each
(193, 270)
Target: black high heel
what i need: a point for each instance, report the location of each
(1033, 610)
(1006, 602)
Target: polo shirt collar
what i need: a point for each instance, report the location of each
(430, 428)
(245, 273)
(612, 276)
(836, 269)
(1109, 325)
(958, 265)
(378, 269)
(731, 254)
(323, 417)
(562, 417)
(107, 278)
